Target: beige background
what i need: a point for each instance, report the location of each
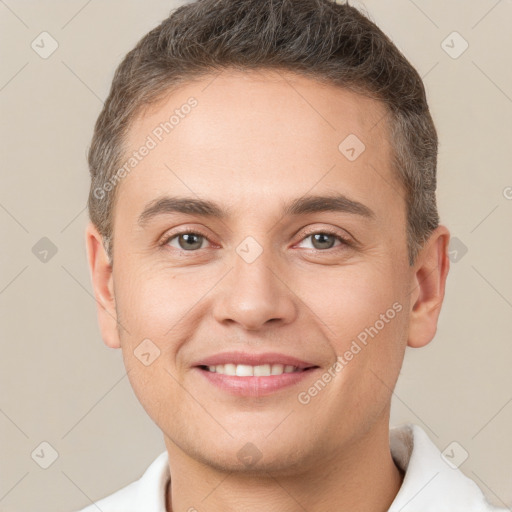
(61, 385)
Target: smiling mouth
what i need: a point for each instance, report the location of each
(244, 370)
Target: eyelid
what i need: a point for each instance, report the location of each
(331, 230)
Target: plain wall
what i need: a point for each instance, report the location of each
(62, 385)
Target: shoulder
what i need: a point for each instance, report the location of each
(147, 494)
(432, 482)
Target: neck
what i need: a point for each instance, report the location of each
(360, 475)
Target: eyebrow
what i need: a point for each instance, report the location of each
(300, 206)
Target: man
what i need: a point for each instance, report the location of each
(264, 244)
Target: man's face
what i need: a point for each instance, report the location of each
(261, 279)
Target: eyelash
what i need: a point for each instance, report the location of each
(345, 242)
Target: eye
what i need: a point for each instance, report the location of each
(190, 240)
(325, 240)
(186, 240)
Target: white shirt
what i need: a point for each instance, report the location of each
(430, 483)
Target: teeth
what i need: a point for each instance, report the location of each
(245, 370)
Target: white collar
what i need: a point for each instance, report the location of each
(430, 483)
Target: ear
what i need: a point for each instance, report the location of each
(430, 272)
(102, 281)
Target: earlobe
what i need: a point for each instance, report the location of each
(431, 270)
(102, 281)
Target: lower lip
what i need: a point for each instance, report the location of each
(255, 386)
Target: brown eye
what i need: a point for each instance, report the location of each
(187, 241)
(324, 240)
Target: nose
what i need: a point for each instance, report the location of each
(254, 294)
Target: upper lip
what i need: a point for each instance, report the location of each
(253, 359)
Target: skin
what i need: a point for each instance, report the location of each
(255, 141)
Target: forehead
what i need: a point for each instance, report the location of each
(233, 100)
(261, 135)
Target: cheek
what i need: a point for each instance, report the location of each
(151, 301)
(365, 319)
(350, 299)
(150, 308)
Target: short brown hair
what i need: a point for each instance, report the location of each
(330, 42)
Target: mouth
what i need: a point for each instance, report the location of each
(252, 374)
(245, 370)
(249, 381)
